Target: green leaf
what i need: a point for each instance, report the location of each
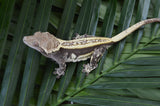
(155, 26)
(142, 13)
(47, 85)
(122, 83)
(94, 92)
(88, 17)
(150, 94)
(15, 57)
(67, 19)
(65, 80)
(6, 10)
(32, 62)
(109, 18)
(144, 61)
(124, 22)
(54, 20)
(136, 71)
(107, 100)
(155, 47)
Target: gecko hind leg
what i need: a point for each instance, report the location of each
(97, 54)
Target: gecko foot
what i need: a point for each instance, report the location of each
(59, 72)
(88, 68)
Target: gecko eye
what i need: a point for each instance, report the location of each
(36, 44)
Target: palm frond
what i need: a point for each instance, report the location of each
(128, 73)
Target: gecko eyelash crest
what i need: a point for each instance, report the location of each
(79, 49)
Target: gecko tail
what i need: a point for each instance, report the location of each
(128, 31)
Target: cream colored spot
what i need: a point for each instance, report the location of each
(73, 56)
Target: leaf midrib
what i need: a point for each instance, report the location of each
(105, 72)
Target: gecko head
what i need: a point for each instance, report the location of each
(42, 41)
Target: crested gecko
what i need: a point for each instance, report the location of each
(79, 49)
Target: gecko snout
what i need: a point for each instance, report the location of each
(24, 38)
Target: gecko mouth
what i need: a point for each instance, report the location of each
(28, 43)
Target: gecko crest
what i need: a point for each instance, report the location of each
(85, 41)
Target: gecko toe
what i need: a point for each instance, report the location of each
(59, 72)
(87, 68)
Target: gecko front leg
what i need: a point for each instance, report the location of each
(60, 60)
(97, 54)
(61, 70)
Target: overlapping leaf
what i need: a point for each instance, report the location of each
(12, 70)
(132, 80)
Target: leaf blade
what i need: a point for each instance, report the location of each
(41, 23)
(142, 13)
(112, 101)
(15, 57)
(124, 22)
(6, 12)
